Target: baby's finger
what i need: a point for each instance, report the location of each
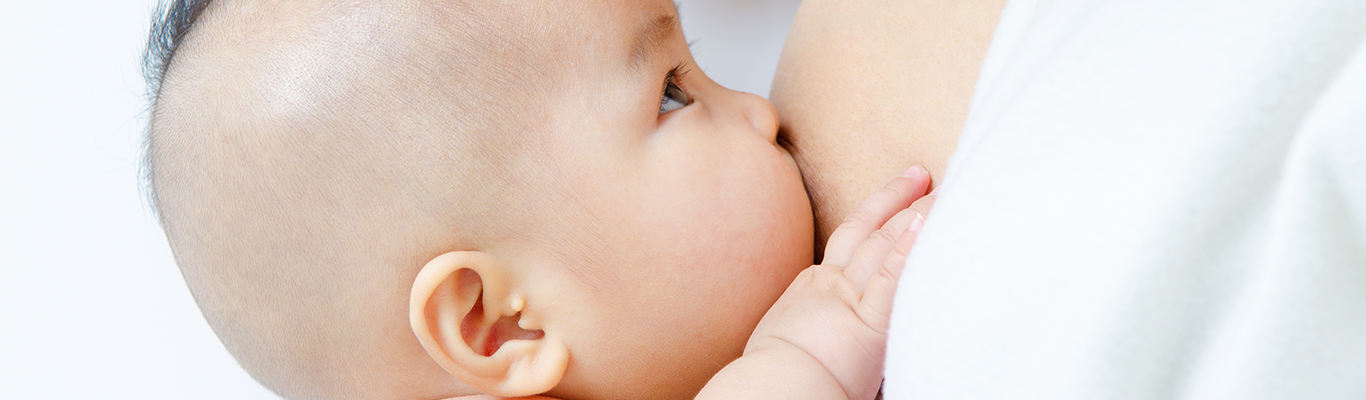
(869, 255)
(875, 308)
(873, 213)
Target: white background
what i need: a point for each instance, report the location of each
(91, 303)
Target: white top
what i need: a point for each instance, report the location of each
(1159, 199)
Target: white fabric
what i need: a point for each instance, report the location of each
(1158, 199)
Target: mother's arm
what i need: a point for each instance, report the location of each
(866, 89)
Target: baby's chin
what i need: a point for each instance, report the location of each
(712, 324)
(669, 350)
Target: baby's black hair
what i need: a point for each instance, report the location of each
(173, 21)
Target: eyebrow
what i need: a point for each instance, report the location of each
(652, 36)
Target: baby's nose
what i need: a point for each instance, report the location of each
(761, 114)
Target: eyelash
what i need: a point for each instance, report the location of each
(674, 77)
(677, 73)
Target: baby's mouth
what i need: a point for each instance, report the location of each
(785, 148)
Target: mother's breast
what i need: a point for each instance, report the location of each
(865, 89)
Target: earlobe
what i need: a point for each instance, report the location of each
(469, 319)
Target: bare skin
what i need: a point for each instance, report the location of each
(222, 200)
(866, 89)
(857, 106)
(406, 199)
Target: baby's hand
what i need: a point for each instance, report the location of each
(835, 315)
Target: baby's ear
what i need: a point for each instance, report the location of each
(463, 311)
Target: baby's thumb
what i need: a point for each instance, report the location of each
(875, 308)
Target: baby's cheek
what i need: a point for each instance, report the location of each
(766, 258)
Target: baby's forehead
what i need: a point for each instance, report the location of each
(303, 49)
(393, 69)
(518, 33)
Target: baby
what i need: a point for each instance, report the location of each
(426, 199)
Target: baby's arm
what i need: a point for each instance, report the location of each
(826, 336)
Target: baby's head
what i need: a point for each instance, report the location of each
(417, 199)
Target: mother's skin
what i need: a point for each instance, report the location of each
(867, 88)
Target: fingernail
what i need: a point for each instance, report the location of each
(932, 192)
(914, 172)
(916, 223)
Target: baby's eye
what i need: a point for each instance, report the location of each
(674, 98)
